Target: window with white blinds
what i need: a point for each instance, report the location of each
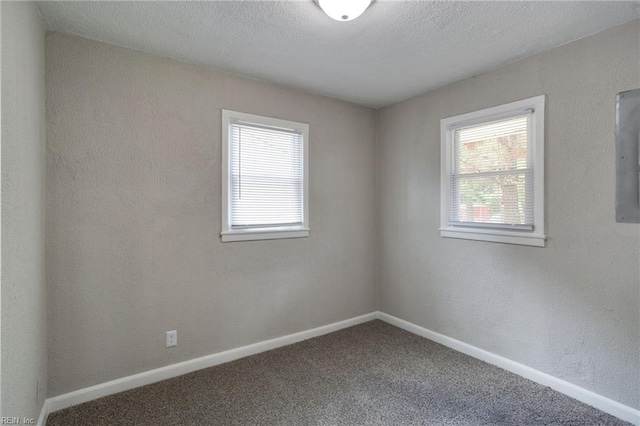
(492, 183)
(492, 174)
(264, 178)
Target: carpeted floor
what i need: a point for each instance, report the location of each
(373, 374)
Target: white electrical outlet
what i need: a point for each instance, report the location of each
(172, 338)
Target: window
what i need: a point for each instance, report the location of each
(492, 181)
(264, 178)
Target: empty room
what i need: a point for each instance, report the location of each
(320, 212)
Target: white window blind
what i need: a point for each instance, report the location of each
(266, 172)
(492, 174)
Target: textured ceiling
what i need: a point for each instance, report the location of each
(395, 50)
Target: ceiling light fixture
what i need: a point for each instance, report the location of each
(344, 10)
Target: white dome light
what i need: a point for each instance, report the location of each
(344, 10)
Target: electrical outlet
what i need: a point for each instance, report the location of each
(172, 338)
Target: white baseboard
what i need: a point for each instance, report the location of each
(80, 396)
(152, 376)
(600, 402)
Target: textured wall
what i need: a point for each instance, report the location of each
(134, 216)
(24, 359)
(571, 309)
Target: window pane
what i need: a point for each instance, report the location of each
(500, 145)
(501, 198)
(266, 176)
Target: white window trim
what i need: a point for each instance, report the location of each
(536, 237)
(268, 233)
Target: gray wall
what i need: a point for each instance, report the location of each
(133, 202)
(570, 309)
(24, 359)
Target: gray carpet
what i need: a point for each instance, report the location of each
(373, 374)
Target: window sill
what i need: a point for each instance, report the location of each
(263, 234)
(496, 236)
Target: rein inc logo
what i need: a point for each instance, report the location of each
(17, 421)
